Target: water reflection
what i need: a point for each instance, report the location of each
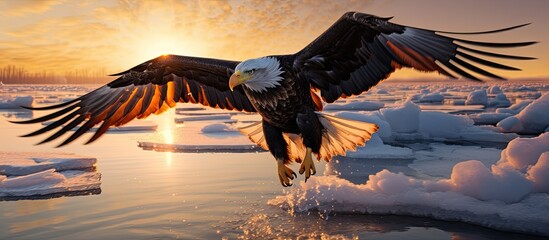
(341, 226)
(169, 159)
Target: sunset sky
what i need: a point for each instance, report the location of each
(59, 35)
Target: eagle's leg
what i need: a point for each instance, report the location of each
(279, 148)
(285, 174)
(311, 132)
(307, 165)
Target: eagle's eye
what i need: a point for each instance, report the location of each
(251, 71)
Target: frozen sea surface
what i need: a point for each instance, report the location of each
(209, 195)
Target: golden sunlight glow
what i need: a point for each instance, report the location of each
(169, 159)
(150, 49)
(66, 36)
(167, 133)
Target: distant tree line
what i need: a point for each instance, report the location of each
(11, 74)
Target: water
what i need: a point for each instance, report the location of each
(163, 195)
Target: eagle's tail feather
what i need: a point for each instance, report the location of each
(339, 135)
(343, 134)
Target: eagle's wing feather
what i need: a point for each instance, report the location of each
(360, 50)
(149, 88)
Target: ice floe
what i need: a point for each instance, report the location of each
(500, 101)
(23, 163)
(515, 108)
(488, 118)
(199, 136)
(24, 175)
(478, 97)
(216, 117)
(17, 102)
(356, 106)
(494, 90)
(533, 119)
(218, 128)
(432, 98)
(404, 119)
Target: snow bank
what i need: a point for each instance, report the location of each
(17, 103)
(478, 97)
(511, 195)
(533, 119)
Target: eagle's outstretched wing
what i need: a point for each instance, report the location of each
(151, 87)
(360, 50)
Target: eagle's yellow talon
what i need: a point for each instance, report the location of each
(307, 165)
(285, 174)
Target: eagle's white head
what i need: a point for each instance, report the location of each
(257, 74)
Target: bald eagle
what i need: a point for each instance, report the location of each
(353, 55)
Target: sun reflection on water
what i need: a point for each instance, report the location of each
(169, 159)
(167, 131)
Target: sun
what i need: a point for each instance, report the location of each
(146, 46)
(157, 46)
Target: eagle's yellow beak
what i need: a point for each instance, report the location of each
(238, 78)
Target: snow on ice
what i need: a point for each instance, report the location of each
(478, 97)
(488, 118)
(533, 119)
(38, 174)
(510, 195)
(500, 101)
(24, 163)
(431, 98)
(515, 108)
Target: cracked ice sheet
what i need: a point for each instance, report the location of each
(24, 163)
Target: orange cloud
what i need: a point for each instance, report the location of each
(61, 36)
(24, 7)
